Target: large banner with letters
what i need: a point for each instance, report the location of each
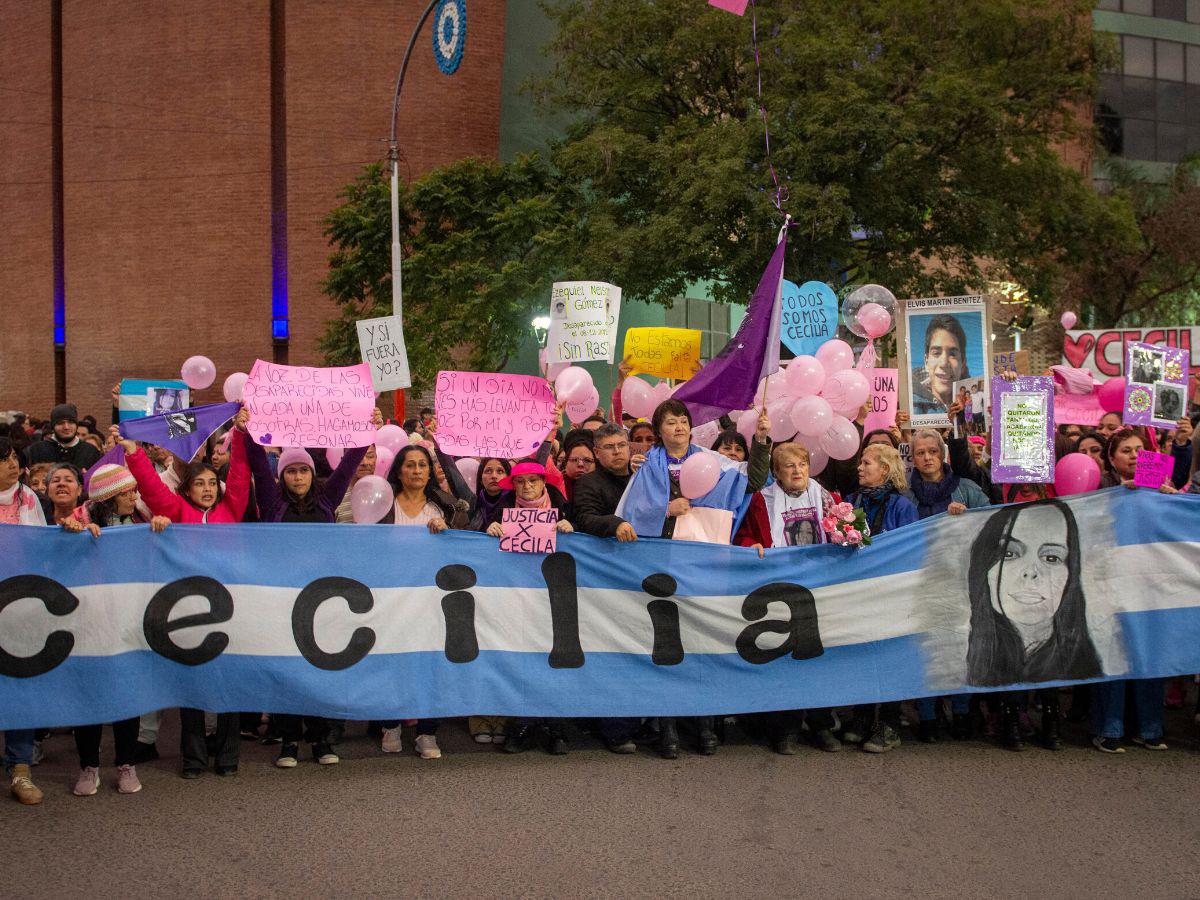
(1103, 350)
(382, 621)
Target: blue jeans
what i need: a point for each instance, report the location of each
(1108, 707)
(960, 705)
(18, 748)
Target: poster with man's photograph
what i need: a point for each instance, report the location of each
(1157, 390)
(946, 340)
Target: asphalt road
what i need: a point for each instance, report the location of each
(949, 820)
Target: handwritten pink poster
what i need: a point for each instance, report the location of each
(529, 530)
(305, 406)
(883, 399)
(1152, 469)
(489, 414)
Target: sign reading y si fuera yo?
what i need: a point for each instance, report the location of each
(663, 352)
(1023, 430)
(381, 343)
(488, 414)
(305, 406)
(583, 321)
(1103, 350)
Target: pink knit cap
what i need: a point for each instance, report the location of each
(295, 456)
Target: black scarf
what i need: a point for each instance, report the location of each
(934, 497)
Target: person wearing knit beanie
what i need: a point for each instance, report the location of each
(108, 481)
(295, 456)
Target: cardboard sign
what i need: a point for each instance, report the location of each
(489, 414)
(381, 343)
(1153, 469)
(1102, 350)
(1023, 437)
(664, 352)
(1157, 390)
(884, 391)
(139, 396)
(529, 530)
(305, 406)
(583, 321)
(1078, 409)
(808, 316)
(1017, 360)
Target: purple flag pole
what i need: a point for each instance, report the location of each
(730, 379)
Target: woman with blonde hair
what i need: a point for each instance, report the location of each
(882, 486)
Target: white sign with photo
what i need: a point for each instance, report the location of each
(945, 340)
(583, 321)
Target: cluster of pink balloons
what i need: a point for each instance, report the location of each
(640, 399)
(573, 386)
(815, 399)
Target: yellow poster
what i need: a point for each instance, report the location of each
(665, 352)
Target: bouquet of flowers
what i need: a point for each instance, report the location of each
(846, 525)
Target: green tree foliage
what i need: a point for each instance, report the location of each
(480, 241)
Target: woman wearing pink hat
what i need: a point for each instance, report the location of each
(529, 490)
(113, 499)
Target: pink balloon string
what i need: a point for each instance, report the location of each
(781, 191)
(867, 358)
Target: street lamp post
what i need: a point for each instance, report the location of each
(394, 159)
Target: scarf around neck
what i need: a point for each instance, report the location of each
(542, 502)
(934, 497)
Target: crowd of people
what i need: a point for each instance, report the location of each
(611, 476)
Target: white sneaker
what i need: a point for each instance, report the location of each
(427, 746)
(483, 737)
(391, 740)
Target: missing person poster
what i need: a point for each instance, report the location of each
(583, 321)
(1156, 393)
(945, 340)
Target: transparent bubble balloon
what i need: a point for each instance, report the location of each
(870, 311)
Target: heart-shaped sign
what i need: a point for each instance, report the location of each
(1077, 350)
(809, 316)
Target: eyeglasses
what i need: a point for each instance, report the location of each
(581, 461)
(609, 448)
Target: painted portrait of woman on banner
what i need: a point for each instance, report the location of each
(947, 342)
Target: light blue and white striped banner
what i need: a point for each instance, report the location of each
(385, 621)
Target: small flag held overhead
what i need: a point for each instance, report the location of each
(737, 7)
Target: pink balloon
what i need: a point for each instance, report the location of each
(835, 355)
(874, 320)
(334, 455)
(840, 440)
(847, 390)
(747, 424)
(636, 398)
(572, 384)
(1076, 473)
(818, 459)
(232, 388)
(780, 413)
(391, 437)
(1112, 395)
(812, 415)
(468, 467)
(698, 475)
(661, 392)
(580, 410)
(553, 370)
(198, 372)
(805, 376)
(1068, 320)
(370, 500)
(383, 461)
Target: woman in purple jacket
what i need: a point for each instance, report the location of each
(299, 497)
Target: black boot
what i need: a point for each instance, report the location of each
(1010, 727)
(517, 740)
(707, 737)
(1050, 721)
(556, 738)
(668, 739)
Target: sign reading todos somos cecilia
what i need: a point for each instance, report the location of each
(583, 321)
(305, 406)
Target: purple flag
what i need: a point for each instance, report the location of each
(183, 432)
(730, 379)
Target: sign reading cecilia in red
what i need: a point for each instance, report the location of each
(1103, 351)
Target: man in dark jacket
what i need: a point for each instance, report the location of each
(598, 493)
(63, 443)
